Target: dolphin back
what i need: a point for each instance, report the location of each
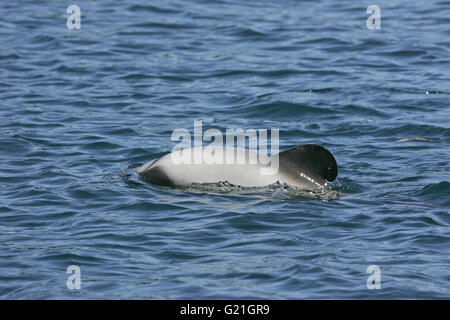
(306, 166)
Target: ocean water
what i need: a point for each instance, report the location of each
(79, 109)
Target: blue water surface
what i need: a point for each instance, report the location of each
(80, 108)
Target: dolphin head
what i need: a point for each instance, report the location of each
(311, 162)
(328, 164)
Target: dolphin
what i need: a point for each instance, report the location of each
(307, 166)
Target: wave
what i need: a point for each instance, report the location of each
(276, 192)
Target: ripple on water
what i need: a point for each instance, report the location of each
(81, 108)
